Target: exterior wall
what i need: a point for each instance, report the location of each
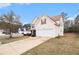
(49, 29)
(49, 24)
(56, 30)
(45, 30)
(61, 31)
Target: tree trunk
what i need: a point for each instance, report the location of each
(10, 33)
(10, 36)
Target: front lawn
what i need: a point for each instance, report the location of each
(5, 38)
(67, 45)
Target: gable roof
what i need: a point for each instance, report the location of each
(53, 18)
(56, 18)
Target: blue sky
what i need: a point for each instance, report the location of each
(28, 11)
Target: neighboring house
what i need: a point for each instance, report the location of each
(24, 31)
(1, 32)
(46, 26)
(20, 31)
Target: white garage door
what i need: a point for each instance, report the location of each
(45, 33)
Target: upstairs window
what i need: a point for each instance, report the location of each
(43, 21)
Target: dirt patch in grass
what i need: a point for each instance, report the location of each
(67, 45)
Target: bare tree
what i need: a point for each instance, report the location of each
(11, 21)
(64, 15)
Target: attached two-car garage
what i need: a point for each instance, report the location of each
(45, 33)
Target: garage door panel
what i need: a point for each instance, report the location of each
(45, 33)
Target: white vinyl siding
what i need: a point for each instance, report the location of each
(49, 29)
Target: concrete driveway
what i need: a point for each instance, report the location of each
(19, 47)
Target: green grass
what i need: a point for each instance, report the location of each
(67, 45)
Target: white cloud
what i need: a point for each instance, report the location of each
(24, 3)
(2, 5)
(70, 18)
